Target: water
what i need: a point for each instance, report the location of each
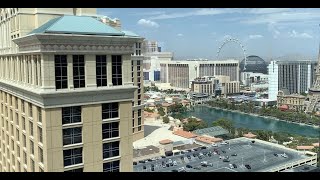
(251, 122)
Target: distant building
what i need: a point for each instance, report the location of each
(181, 73)
(295, 76)
(292, 101)
(247, 78)
(152, 59)
(218, 85)
(254, 64)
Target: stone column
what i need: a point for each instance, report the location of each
(39, 70)
(109, 70)
(90, 70)
(70, 71)
(33, 70)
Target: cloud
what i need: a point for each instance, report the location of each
(284, 17)
(295, 34)
(255, 36)
(180, 35)
(148, 23)
(217, 11)
(272, 28)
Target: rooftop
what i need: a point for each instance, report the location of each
(184, 134)
(83, 25)
(211, 131)
(208, 140)
(165, 141)
(259, 155)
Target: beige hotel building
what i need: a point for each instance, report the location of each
(70, 91)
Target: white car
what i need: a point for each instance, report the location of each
(175, 163)
(231, 166)
(223, 143)
(214, 145)
(284, 155)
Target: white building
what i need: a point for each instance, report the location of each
(250, 77)
(294, 76)
(182, 73)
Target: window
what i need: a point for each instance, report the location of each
(72, 156)
(110, 110)
(76, 170)
(31, 147)
(18, 134)
(110, 149)
(24, 157)
(39, 114)
(40, 155)
(78, 71)
(71, 115)
(110, 130)
(72, 135)
(24, 140)
(40, 134)
(17, 119)
(61, 71)
(139, 121)
(13, 160)
(31, 128)
(32, 165)
(116, 70)
(111, 166)
(16, 106)
(18, 151)
(23, 123)
(22, 106)
(12, 145)
(101, 70)
(139, 112)
(30, 110)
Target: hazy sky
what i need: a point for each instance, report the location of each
(198, 33)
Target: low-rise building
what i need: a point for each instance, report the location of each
(293, 101)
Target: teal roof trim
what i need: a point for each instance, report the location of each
(130, 33)
(45, 26)
(77, 25)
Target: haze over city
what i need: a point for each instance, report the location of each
(198, 33)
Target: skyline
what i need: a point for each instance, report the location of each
(265, 32)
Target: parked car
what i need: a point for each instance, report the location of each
(197, 168)
(174, 170)
(223, 151)
(175, 163)
(233, 154)
(275, 154)
(141, 161)
(163, 157)
(226, 160)
(247, 166)
(203, 147)
(135, 163)
(224, 143)
(144, 167)
(214, 145)
(284, 155)
(231, 166)
(152, 168)
(210, 164)
(188, 166)
(234, 165)
(189, 157)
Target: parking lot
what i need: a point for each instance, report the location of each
(260, 157)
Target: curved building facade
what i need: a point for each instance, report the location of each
(254, 64)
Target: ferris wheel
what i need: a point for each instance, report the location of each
(234, 40)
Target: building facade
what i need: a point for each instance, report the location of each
(295, 76)
(181, 73)
(211, 84)
(67, 92)
(294, 102)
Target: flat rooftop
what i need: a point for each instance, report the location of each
(259, 155)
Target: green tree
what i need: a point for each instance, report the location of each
(161, 111)
(149, 110)
(224, 123)
(194, 124)
(165, 120)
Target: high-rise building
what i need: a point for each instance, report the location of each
(181, 73)
(67, 91)
(294, 76)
